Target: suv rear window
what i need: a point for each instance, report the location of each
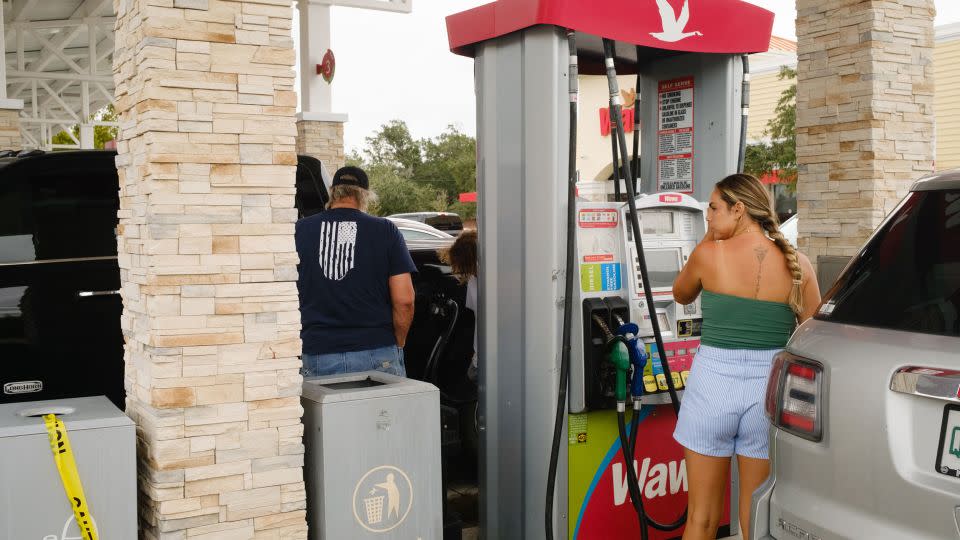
(446, 222)
(908, 276)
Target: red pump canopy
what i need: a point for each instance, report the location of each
(703, 26)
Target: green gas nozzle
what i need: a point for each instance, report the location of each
(620, 358)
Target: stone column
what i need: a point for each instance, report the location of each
(208, 265)
(322, 139)
(865, 125)
(10, 138)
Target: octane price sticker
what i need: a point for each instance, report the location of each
(598, 219)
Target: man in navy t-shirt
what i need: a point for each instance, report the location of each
(356, 292)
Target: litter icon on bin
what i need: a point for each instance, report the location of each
(374, 506)
(382, 499)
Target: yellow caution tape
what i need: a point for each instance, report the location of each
(67, 466)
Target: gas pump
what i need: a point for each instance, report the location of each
(585, 289)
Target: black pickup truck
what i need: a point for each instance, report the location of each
(59, 280)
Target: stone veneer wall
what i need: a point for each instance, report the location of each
(208, 265)
(10, 138)
(322, 140)
(865, 125)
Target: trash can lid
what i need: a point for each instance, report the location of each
(19, 419)
(366, 385)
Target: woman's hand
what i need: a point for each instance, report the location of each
(709, 237)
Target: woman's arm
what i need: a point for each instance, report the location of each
(811, 289)
(689, 282)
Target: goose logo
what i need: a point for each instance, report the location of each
(338, 242)
(382, 499)
(674, 26)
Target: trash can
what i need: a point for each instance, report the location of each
(372, 457)
(33, 504)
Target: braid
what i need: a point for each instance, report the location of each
(748, 190)
(793, 263)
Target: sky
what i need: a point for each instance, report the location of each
(398, 66)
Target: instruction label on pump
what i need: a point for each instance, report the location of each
(675, 135)
(600, 277)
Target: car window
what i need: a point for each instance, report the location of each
(413, 234)
(445, 222)
(47, 215)
(16, 236)
(908, 276)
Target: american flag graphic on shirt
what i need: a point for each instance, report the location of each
(337, 242)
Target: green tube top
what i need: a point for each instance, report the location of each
(733, 322)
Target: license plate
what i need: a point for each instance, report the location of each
(948, 456)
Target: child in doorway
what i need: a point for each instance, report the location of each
(462, 258)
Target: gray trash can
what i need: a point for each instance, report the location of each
(372, 457)
(33, 505)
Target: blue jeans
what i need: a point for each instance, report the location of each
(386, 359)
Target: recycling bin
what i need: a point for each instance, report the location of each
(33, 504)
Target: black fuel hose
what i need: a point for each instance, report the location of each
(636, 122)
(615, 111)
(616, 107)
(431, 370)
(567, 291)
(617, 172)
(632, 483)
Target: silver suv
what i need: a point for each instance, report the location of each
(865, 401)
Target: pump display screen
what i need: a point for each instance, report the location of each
(663, 266)
(657, 222)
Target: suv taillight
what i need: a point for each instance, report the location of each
(794, 396)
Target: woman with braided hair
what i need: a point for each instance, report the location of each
(754, 289)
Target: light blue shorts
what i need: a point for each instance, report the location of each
(722, 412)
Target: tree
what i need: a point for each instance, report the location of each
(419, 175)
(449, 163)
(396, 194)
(393, 146)
(780, 154)
(101, 134)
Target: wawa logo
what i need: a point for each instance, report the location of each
(654, 481)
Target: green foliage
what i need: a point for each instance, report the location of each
(101, 134)
(780, 154)
(450, 163)
(394, 146)
(412, 175)
(396, 194)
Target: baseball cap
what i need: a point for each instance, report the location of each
(351, 176)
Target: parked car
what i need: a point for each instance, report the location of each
(445, 221)
(59, 280)
(789, 229)
(59, 302)
(420, 235)
(864, 401)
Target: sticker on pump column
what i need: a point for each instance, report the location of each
(675, 135)
(600, 277)
(577, 429)
(606, 218)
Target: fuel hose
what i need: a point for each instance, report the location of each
(616, 106)
(570, 270)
